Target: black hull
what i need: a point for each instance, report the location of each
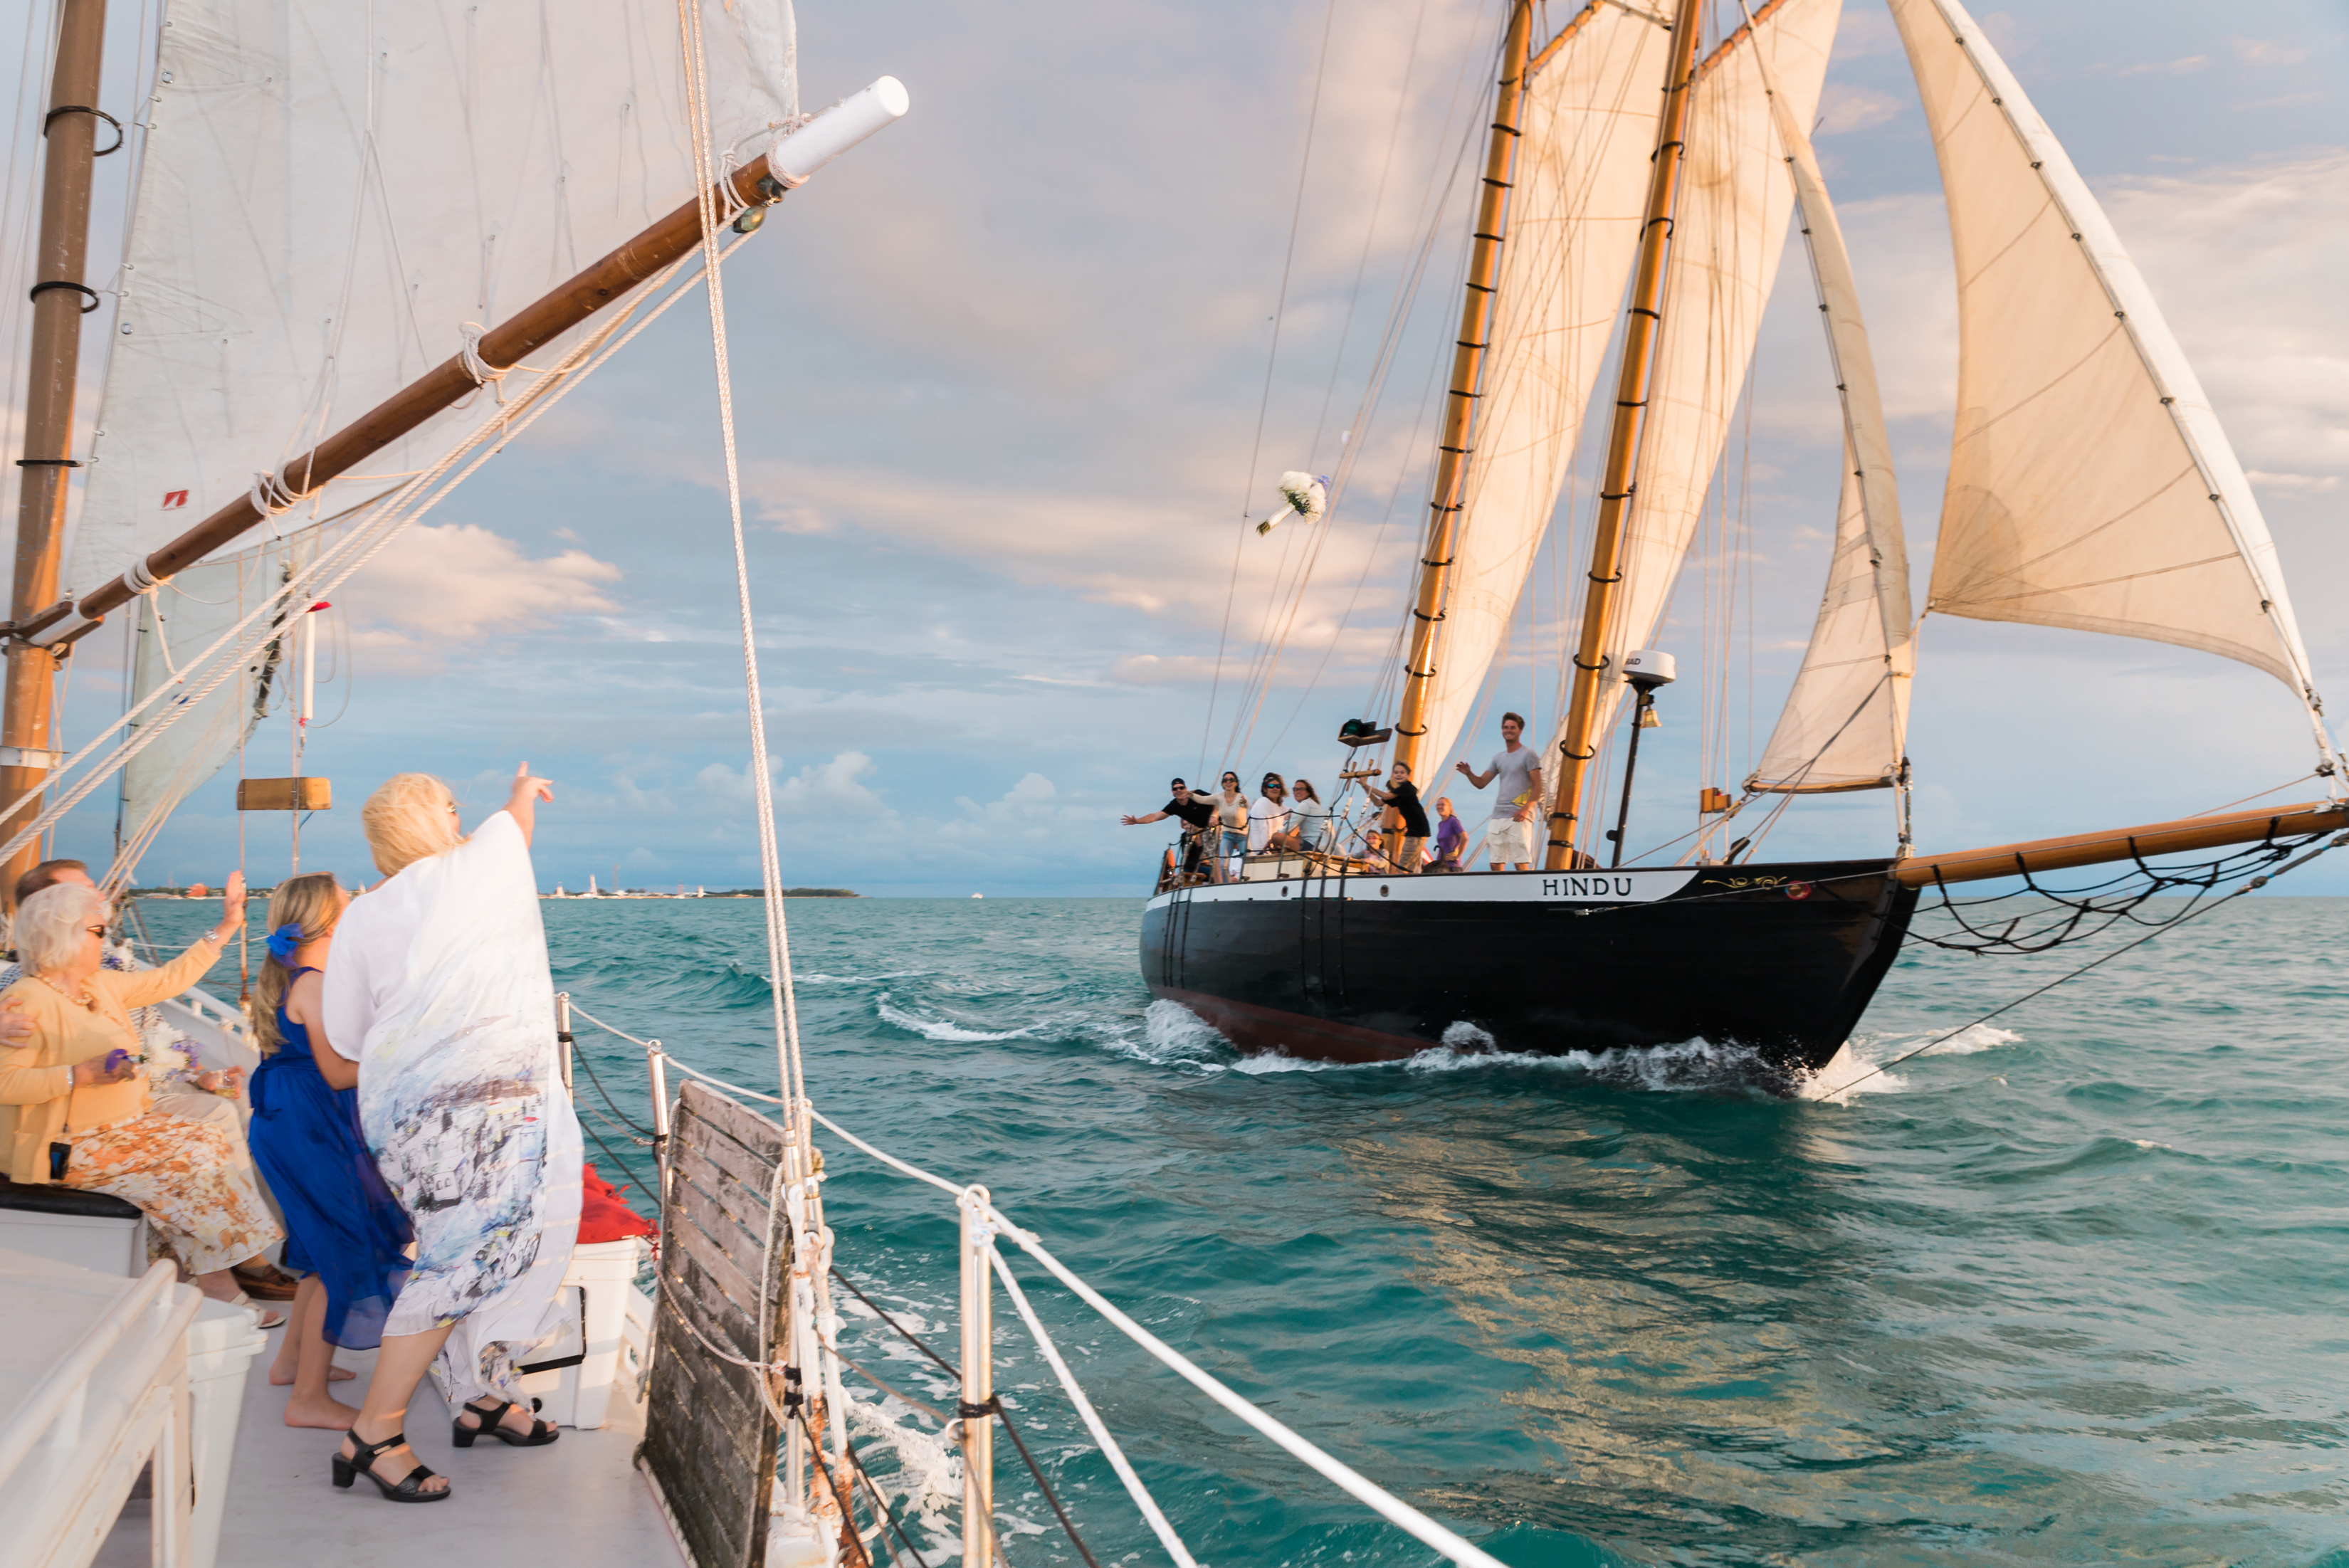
(1781, 958)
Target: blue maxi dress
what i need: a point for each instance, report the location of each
(342, 1223)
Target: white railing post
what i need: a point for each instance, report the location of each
(978, 1379)
(654, 1068)
(562, 1033)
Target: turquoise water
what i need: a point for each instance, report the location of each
(2064, 1290)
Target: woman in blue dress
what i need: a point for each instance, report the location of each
(344, 1231)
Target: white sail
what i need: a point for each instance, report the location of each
(1729, 232)
(1845, 723)
(175, 623)
(2090, 485)
(328, 194)
(1580, 186)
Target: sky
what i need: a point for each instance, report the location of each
(1008, 376)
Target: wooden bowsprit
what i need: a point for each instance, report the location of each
(710, 1440)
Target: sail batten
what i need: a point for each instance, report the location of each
(2091, 486)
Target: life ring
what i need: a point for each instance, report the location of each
(1798, 889)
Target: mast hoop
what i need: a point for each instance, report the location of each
(84, 290)
(51, 118)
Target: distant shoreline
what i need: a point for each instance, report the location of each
(182, 893)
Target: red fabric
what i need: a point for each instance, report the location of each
(604, 1214)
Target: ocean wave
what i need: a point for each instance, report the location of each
(1859, 1067)
(941, 1029)
(1173, 1036)
(856, 979)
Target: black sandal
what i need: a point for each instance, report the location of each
(362, 1463)
(493, 1424)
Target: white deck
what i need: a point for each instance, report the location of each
(579, 1503)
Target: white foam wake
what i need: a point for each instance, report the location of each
(940, 1029)
(1859, 1067)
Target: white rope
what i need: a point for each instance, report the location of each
(469, 354)
(1109, 1450)
(784, 1001)
(271, 496)
(1361, 1488)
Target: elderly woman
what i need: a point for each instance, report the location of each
(78, 1110)
(439, 992)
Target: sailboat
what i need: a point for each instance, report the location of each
(1638, 189)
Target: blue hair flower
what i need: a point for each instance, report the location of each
(284, 941)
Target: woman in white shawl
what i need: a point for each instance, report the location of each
(439, 992)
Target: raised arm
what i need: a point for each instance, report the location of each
(523, 804)
(1478, 780)
(143, 987)
(1142, 821)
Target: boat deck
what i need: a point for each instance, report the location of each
(580, 1503)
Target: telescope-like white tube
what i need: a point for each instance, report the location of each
(796, 154)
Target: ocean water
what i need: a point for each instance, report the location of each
(2067, 1289)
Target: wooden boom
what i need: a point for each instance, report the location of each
(2124, 843)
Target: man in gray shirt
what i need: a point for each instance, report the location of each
(1509, 830)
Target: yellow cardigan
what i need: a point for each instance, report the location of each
(36, 1077)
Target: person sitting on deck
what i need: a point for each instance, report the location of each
(76, 1110)
(1269, 817)
(1193, 812)
(1309, 821)
(1402, 795)
(179, 1086)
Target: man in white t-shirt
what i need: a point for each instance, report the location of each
(1509, 830)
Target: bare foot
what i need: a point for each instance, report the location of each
(325, 1413)
(281, 1374)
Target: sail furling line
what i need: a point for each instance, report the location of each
(2091, 486)
(1845, 722)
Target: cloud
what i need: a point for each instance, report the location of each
(437, 586)
(1151, 669)
(1844, 109)
(2266, 52)
(2153, 67)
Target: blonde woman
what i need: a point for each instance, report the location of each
(346, 1234)
(76, 1109)
(438, 991)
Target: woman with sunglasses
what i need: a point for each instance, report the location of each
(1232, 823)
(76, 1110)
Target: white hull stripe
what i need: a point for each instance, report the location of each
(1468, 887)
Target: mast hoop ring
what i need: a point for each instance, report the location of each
(84, 290)
(51, 118)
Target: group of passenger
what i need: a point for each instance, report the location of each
(407, 1117)
(1220, 830)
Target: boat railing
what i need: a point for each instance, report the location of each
(117, 1400)
(981, 1223)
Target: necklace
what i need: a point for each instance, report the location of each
(84, 1000)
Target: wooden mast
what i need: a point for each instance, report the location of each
(1476, 311)
(1639, 337)
(59, 296)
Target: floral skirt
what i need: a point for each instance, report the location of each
(189, 1181)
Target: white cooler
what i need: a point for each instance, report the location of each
(573, 1383)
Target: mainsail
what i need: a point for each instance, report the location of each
(1589, 125)
(1729, 231)
(1845, 724)
(329, 199)
(328, 195)
(2090, 485)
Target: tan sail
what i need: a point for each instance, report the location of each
(1589, 123)
(2090, 484)
(1845, 723)
(1729, 232)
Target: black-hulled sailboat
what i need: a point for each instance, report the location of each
(1637, 190)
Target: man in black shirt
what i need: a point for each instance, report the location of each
(1194, 812)
(1402, 795)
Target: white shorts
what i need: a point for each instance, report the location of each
(1508, 841)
